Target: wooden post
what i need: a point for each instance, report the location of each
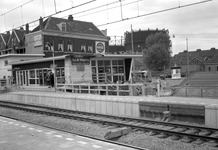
(106, 89)
(158, 89)
(143, 90)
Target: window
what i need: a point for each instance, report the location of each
(90, 48)
(70, 46)
(83, 47)
(49, 45)
(63, 27)
(208, 68)
(6, 62)
(217, 68)
(32, 73)
(60, 45)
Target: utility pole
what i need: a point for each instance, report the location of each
(187, 57)
(133, 59)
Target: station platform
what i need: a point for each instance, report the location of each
(202, 110)
(16, 135)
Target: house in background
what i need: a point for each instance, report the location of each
(212, 64)
(12, 49)
(194, 61)
(4, 43)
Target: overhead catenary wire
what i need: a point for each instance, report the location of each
(156, 12)
(56, 13)
(135, 17)
(104, 9)
(191, 4)
(16, 8)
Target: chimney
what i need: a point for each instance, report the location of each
(27, 28)
(40, 23)
(8, 32)
(213, 48)
(21, 28)
(70, 18)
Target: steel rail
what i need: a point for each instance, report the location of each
(119, 124)
(141, 120)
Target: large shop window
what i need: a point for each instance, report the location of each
(32, 76)
(60, 74)
(107, 71)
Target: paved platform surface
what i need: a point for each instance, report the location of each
(16, 135)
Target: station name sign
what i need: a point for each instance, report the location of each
(80, 60)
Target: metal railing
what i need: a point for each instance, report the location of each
(108, 89)
(200, 92)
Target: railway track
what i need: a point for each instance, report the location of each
(182, 132)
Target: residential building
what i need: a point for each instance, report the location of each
(193, 61)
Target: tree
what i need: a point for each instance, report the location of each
(157, 54)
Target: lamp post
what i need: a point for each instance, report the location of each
(187, 57)
(54, 67)
(53, 64)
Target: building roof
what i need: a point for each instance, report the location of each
(202, 55)
(73, 26)
(213, 60)
(5, 38)
(20, 34)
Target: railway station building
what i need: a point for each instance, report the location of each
(76, 49)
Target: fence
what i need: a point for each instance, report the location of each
(202, 92)
(110, 89)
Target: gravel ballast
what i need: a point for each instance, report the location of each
(136, 138)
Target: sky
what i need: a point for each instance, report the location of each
(190, 27)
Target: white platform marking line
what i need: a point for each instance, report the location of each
(202, 103)
(183, 102)
(164, 101)
(23, 126)
(59, 136)
(69, 139)
(39, 130)
(48, 133)
(96, 146)
(10, 122)
(82, 142)
(31, 128)
(110, 149)
(173, 101)
(4, 121)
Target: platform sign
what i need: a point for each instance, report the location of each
(80, 60)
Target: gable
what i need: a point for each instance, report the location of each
(13, 40)
(195, 61)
